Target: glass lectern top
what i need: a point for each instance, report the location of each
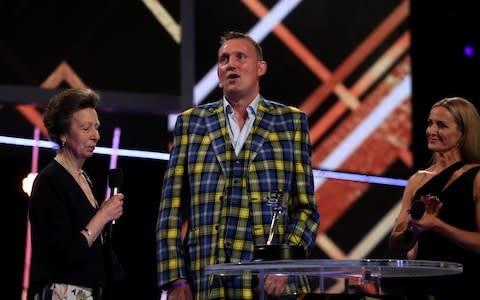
(340, 267)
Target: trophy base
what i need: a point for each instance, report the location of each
(278, 252)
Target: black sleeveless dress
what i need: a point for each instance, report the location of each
(459, 211)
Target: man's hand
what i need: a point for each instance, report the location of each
(275, 284)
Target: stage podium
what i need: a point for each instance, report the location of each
(319, 271)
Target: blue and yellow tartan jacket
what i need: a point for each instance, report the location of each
(224, 197)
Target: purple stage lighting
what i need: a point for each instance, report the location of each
(468, 50)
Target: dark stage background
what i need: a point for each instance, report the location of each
(337, 60)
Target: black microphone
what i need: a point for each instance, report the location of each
(416, 211)
(115, 182)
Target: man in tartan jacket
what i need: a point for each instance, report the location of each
(227, 158)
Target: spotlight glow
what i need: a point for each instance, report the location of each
(469, 51)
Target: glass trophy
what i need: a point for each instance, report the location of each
(278, 200)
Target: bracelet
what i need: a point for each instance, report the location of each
(176, 285)
(88, 232)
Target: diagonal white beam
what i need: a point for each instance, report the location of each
(164, 18)
(376, 118)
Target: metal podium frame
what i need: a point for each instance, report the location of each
(367, 270)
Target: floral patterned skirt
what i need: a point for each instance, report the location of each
(61, 291)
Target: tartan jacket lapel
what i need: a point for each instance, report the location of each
(216, 127)
(264, 122)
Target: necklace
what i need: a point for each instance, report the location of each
(62, 162)
(86, 186)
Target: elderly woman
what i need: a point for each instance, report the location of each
(68, 257)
